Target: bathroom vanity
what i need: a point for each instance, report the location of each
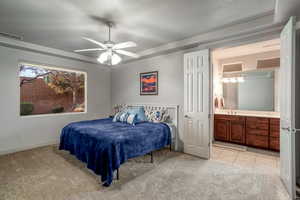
(261, 131)
(247, 104)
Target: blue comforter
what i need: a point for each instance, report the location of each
(104, 145)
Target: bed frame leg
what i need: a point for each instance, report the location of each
(118, 174)
(151, 156)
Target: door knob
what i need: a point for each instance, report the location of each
(186, 116)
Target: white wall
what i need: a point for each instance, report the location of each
(249, 61)
(18, 133)
(126, 87)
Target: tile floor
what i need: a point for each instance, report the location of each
(247, 159)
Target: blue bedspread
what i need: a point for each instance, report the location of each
(104, 145)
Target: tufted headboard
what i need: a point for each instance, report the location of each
(172, 110)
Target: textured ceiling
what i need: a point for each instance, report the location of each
(150, 23)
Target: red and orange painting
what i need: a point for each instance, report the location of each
(149, 83)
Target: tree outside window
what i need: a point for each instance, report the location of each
(46, 90)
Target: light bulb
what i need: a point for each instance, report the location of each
(109, 58)
(103, 58)
(115, 59)
(240, 79)
(225, 80)
(233, 80)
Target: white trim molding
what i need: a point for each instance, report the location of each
(253, 27)
(17, 44)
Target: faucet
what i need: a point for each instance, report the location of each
(231, 112)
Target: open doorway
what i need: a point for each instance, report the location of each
(246, 105)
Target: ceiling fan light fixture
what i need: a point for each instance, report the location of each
(112, 50)
(109, 58)
(115, 59)
(103, 58)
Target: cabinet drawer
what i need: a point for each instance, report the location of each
(224, 117)
(230, 117)
(257, 132)
(274, 143)
(261, 120)
(257, 125)
(274, 130)
(257, 141)
(237, 118)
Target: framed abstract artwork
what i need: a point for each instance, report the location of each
(149, 83)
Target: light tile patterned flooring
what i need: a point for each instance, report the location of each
(248, 159)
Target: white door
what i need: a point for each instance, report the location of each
(287, 106)
(196, 104)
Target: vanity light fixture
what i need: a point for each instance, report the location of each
(240, 79)
(233, 80)
(226, 80)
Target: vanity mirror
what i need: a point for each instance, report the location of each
(255, 90)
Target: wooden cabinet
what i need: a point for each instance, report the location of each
(257, 141)
(237, 131)
(274, 134)
(230, 128)
(257, 132)
(221, 129)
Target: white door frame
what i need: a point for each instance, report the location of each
(232, 43)
(229, 44)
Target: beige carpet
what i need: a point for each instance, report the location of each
(46, 173)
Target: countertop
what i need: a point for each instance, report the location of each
(248, 113)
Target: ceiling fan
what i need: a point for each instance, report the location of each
(110, 56)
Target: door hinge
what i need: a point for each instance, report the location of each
(293, 130)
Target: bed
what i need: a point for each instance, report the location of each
(104, 145)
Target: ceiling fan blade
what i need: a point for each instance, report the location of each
(127, 53)
(96, 42)
(84, 50)
(124, 45)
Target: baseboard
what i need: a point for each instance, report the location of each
(9, 151)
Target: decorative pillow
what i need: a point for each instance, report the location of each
(117, 116)
(119, 108)
(132, 119)
(148, 113)
(140, 112)
(123, 117)
(157, 115)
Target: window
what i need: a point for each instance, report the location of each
(47, 90)
(234, 67)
